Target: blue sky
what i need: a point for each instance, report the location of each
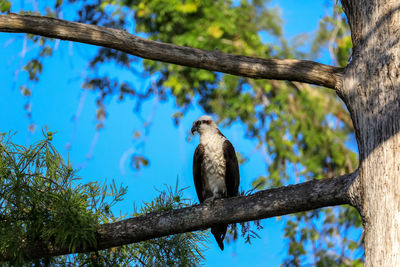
(57, 97)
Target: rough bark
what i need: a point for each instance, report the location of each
(371, 91)
(264, 204)
(277, 69)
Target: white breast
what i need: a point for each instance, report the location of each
(214, 163)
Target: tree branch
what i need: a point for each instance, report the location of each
(277, 69)
(264, 204)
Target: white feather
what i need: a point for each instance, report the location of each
(214, 161)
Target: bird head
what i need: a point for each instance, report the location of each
(204, 124)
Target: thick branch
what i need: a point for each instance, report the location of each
(264, 204)
(277, 69)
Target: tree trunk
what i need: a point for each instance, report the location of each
(371, 91)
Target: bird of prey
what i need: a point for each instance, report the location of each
(215, 168)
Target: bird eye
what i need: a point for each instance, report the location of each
(198, 122)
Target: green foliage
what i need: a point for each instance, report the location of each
(5, 6)
(176, 250)
(302, 130)
(328, 228)
(207, 25)
(334, 32)
(34, 67)
(43, 203)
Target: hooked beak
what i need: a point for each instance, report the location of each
(195, 129)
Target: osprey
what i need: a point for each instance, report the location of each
(215, 168)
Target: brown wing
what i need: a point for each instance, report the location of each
(197, 172)
(232, 176)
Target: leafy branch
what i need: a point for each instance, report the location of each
(43, 205)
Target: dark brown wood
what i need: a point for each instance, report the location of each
(264, 204)
(259, 68)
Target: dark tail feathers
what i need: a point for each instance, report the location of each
(219, 233)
